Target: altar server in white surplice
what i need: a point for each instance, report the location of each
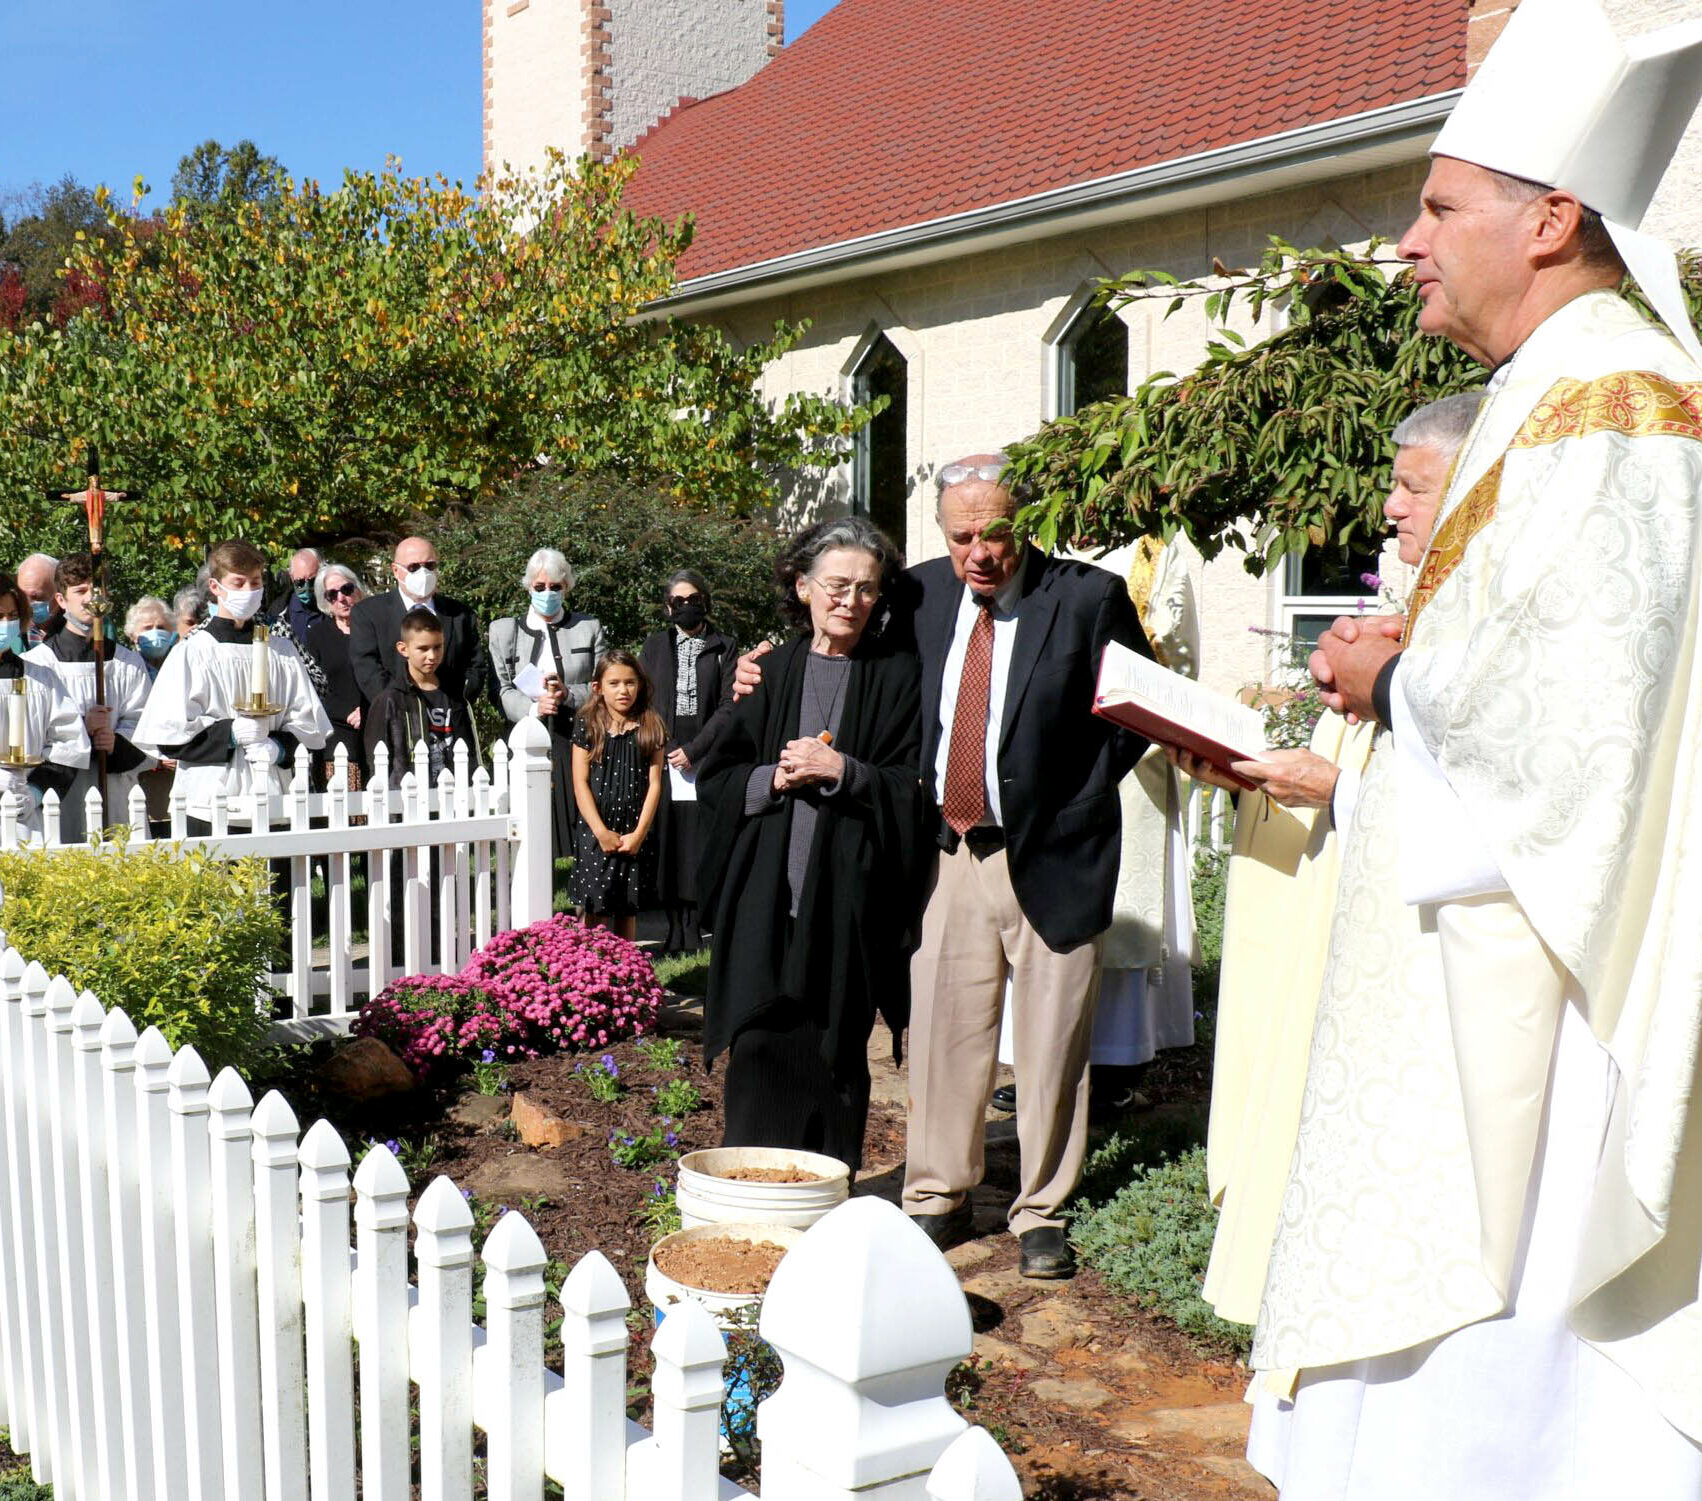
(1486, 1266)
(68, 652)
(191, 715)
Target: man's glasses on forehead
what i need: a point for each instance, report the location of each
(959, 474)
(415, 567)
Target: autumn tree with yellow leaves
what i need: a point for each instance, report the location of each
(335, 363)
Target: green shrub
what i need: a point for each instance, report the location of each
(1152, 1241)
(180, 940)
(622, 541)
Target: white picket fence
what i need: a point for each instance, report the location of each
(181, 1311)
(491, 831)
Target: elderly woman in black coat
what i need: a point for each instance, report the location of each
(812, 819)
(690, 666)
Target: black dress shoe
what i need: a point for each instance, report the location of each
(949, 1229)
(1046, 1254)
(1004, 1099)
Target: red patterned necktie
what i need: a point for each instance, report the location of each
(965, 798)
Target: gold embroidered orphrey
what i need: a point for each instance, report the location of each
(1633, 403)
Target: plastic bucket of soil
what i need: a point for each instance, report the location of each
(759, 1186)
(733, 1263)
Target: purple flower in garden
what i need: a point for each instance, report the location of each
(1371, 580)
(609, 1068)
(488, 1056)
(394, 1145)
(467, 1193)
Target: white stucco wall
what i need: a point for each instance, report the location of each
(974, 332)
(534, 92)
(666, 49)
(1676, 212)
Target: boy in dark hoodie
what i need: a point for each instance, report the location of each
(419, 708)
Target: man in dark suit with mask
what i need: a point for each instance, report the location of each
(376, 623)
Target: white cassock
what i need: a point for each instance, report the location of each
(199, 684)
(1146, 987)
(70, 658)
(53, 732)
(1486, 1263)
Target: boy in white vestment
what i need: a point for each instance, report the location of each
(68, 652)
(192, 714)
(51, 732)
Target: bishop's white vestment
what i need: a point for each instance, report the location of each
(1501, 1131)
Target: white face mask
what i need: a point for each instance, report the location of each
(240, 604)
(421, 583)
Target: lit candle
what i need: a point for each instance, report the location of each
(257, 672)
(15, 721)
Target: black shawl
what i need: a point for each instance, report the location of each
(846, 955)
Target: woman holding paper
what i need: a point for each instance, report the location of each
(690, 665)
(543, 662)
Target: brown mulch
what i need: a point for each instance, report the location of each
(720, 1264)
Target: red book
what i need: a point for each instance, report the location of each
(1175, 711)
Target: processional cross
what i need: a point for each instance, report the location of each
(93, 499)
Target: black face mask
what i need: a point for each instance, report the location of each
(687, 614)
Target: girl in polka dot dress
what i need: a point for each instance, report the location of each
(617, 787)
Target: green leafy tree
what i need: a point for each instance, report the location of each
(40, 235)
(1277, 447)
(211, 174)
(341, 362)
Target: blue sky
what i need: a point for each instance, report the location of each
(111, 88)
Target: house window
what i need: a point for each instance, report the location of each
(1093, 360)
(880, 467)
(1320, 586)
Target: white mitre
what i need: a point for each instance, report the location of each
(1562, 101)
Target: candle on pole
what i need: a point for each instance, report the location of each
(15, 721)
(257, 670)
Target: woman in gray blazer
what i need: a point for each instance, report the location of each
(564, 647)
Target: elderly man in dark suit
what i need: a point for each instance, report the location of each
(1024, 783)
(376, 624)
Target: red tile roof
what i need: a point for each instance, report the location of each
(887, 113)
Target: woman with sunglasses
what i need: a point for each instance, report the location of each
(690, 666)
(337, 589)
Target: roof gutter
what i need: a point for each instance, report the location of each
(1394, 125)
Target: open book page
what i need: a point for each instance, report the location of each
(1172, 710)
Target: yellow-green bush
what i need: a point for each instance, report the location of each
(181, 941)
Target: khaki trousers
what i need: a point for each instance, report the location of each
(973, 936)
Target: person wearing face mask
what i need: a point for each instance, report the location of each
(691, 665)
(191, 713)
(564, 647)
(69, 654)
(53, 729)
(375, 627)
(35, 583)
(297, 601)
(149, 627)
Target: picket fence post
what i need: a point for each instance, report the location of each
(440, 1343)
(680, 1461)
(277, 1249)
(232, 1108)
(974, 1468)
(100, 1284)
(125, 1216)
(868, 1319)
(47, 1452)
(22, 1347)
(585, 1434)
(327, 1318)
(191, 1191)
(533, 863)
(381, 1323)
(510, 1368)
(159, 1264)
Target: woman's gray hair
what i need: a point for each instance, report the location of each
(799, 557)
(190, 600)
(321, 579)
(553, 565)
(1442, 425)
(148, 604)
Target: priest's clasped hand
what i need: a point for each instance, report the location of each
(807, 763)
(1349, 657)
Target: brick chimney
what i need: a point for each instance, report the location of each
(591, 76)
